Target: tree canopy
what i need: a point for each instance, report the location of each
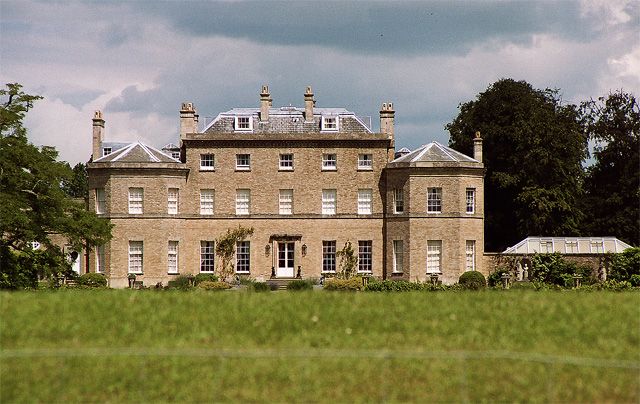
(612, 184)
(534, 146)
(33, 203)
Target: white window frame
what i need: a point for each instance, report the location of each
(330, 123)
(365, 161)
(398, 200)
(434, 200)
(470, 197)
(329, 256)
(101, 201)
(546, 246)
(329, 162)
(285, 202)
(136, 200)
(599, 246)
(100, 262)
(365, 201)
(285, 162)
(434, 256)
(136, 257)
(173, 196)
(241, 121)
(243, 257)
(172, 257)
(106, 151)
(572, 243)
(207, 201)
(207, 256)
(365, 256)
(329, 201)
(243, 162)
(398, 256)
(175, 155)
(207, 162)
(243, 202)
(470, 255)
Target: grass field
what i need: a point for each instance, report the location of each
(319, 346)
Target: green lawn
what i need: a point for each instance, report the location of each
(319, 346)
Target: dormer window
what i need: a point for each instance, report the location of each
(243, 123)
(330, 123)
(106, 151)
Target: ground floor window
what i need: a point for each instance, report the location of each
(365, 252)
(135, 257)
(100, 264)
(243, 257)
(328, 256)
(207, 256)
(172, 257)
(398, 255)
(434, 252)
(470, 253)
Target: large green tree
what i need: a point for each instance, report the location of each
(33, 204)
(612, 184)
(534, 146)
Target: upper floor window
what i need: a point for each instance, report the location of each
(365, 162)
(243, 162)
(329, 161)
(434, 200)
(286, 161)
(328, 201)
(172, 201)
(365, 256)
(135, 201)
(206, 201)
(243, 201)
(398, 200)
(286, 202)
(329, 123)
(207, 162)
(364, 201)
(243, 257)
(243, 123)
(434, 253)
(471, 199)
(106, 151)
(101, 201)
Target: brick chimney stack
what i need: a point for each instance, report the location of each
(98, 135)
(188, 119)
(477, 147)
(265, 103)
(387, 116)
(308, 105)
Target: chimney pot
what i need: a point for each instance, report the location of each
(477, 147)
(188, 119)
(309, 103)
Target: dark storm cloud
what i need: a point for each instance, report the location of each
(376, 27)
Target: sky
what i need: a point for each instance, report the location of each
(137, 61)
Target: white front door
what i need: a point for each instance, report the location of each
(285, 260)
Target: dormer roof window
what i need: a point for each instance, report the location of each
(329, 124)
(243, 124)
(106, 151)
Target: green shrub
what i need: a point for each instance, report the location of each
(623, 266)
(213, 285)
(472, 280)
(182, 282)
(204, 278)
(260, 287)
(495, 278)
(92, 280)
(635, 280)
(553, 269)
(300, 284)
(353, 283)
(394, 286)
(616, 286)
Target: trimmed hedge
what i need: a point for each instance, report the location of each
(204, 277)
(394, 286)
(472, 280)
(354, 283)
(182, 282)
(92, 280)
(213, 285)
(300, 284)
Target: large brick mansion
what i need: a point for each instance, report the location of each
(307, 180)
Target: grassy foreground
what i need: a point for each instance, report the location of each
(319, 346)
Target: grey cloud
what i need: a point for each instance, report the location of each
(79, 98)
(377, 27)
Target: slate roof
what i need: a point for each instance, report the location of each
(288, 120)
(434, 152)
(137, 153)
